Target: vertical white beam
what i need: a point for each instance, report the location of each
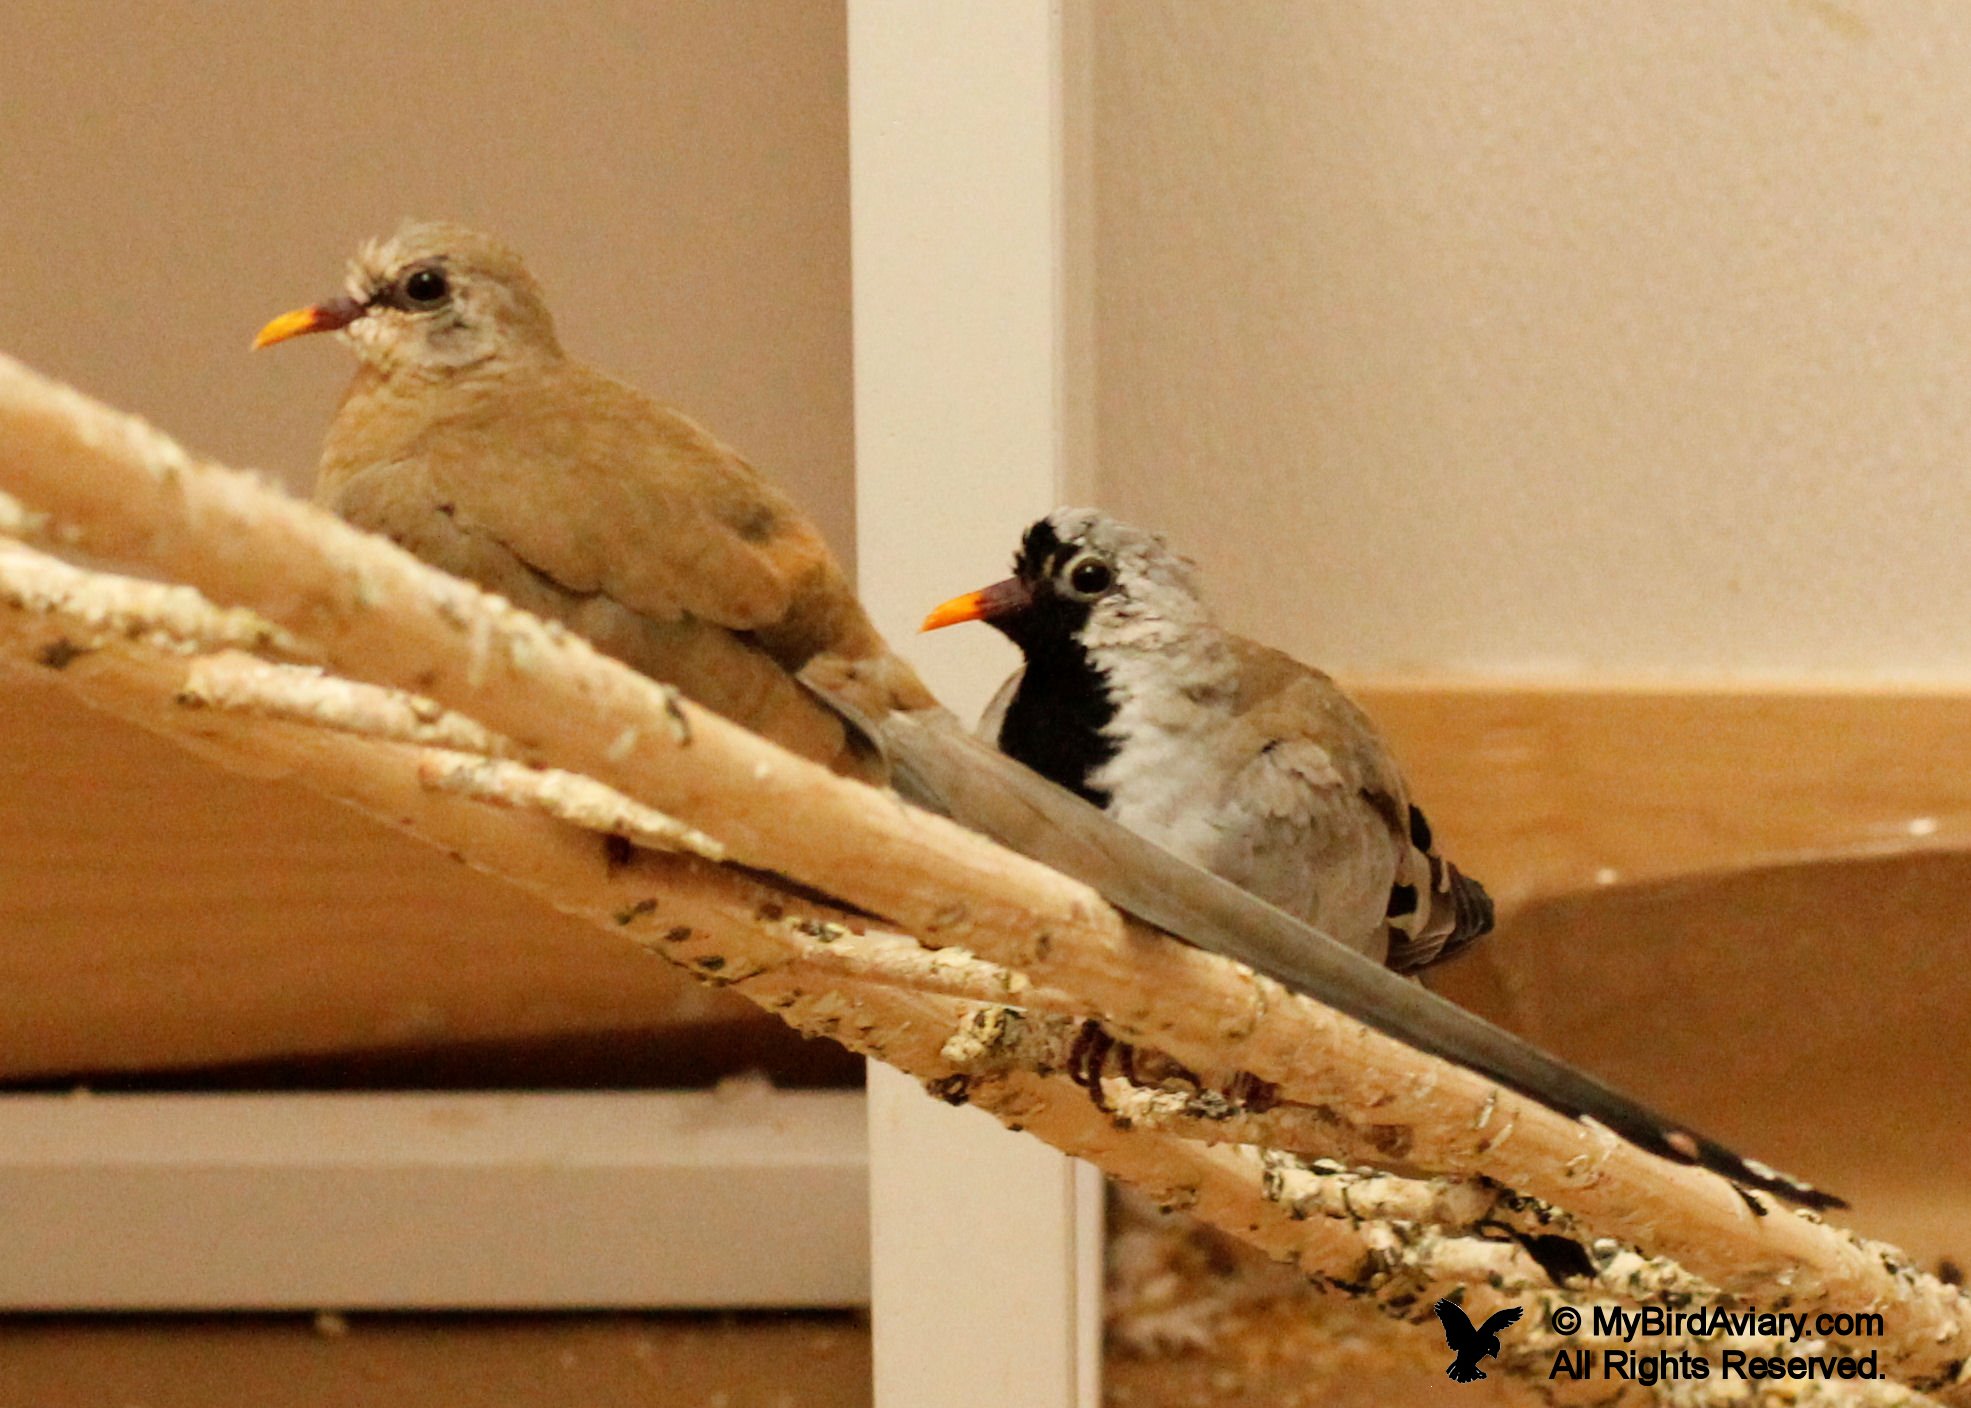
(972, 419)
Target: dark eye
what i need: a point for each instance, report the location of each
(1090, 576)
(426, 287)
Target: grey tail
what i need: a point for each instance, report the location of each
(936, 763)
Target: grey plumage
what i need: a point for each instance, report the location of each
(1065, 827)
(1224, 751)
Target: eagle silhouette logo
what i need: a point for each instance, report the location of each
(1472, 1345)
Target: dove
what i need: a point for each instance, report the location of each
(1468, 1344)
(473, 440)
(1230, 754)
(1262, 774)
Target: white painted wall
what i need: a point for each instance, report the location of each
(1538, 337)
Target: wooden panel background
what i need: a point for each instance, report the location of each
(1544, 789)
(155, 911)
(1748, 907)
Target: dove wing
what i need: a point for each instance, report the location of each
(1338, 820)
(635, 528)
(627, 498)
(1310, 819)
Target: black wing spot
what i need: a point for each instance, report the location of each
(1402, 900)
(1420, 836)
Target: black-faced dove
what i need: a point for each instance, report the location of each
(1230, 754)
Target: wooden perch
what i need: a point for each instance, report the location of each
(512, 710)
(732, 930)
(746, 934)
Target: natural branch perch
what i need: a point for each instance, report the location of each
(116, 673)
(713, 922)
(123, 492)
(459, 756)
(104, 608)
(1400, 1262)
(768, 951)
(304, 696)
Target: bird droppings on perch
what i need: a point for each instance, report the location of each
(292, 585)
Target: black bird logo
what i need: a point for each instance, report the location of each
(1472, 1345)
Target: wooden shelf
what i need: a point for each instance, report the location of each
(156, 912)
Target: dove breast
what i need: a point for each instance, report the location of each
(1264, 773)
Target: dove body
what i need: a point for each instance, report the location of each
(1230, 754)
(469, 437)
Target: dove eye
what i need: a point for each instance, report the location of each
(426, 288)
(1090, 576)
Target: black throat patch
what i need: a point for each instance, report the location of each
(1054, 724)
(1056, 719)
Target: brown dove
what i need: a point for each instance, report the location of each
(474, 441)
(1230, 754)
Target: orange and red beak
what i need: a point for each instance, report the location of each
(319, 317)
(987, 604)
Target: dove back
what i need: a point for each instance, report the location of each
(584, 501)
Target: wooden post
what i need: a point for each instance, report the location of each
(973, 417)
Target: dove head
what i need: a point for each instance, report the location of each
(431, 300)
(1083, 575)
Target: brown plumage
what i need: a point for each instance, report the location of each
(469, 437)
(1307, 737)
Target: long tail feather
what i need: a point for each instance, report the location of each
(937, 764)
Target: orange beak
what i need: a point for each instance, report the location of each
(987, 604)
(320, 317)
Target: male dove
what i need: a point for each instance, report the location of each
(1232, 755)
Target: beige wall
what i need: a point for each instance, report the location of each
(172, 174)
(1536, 337)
